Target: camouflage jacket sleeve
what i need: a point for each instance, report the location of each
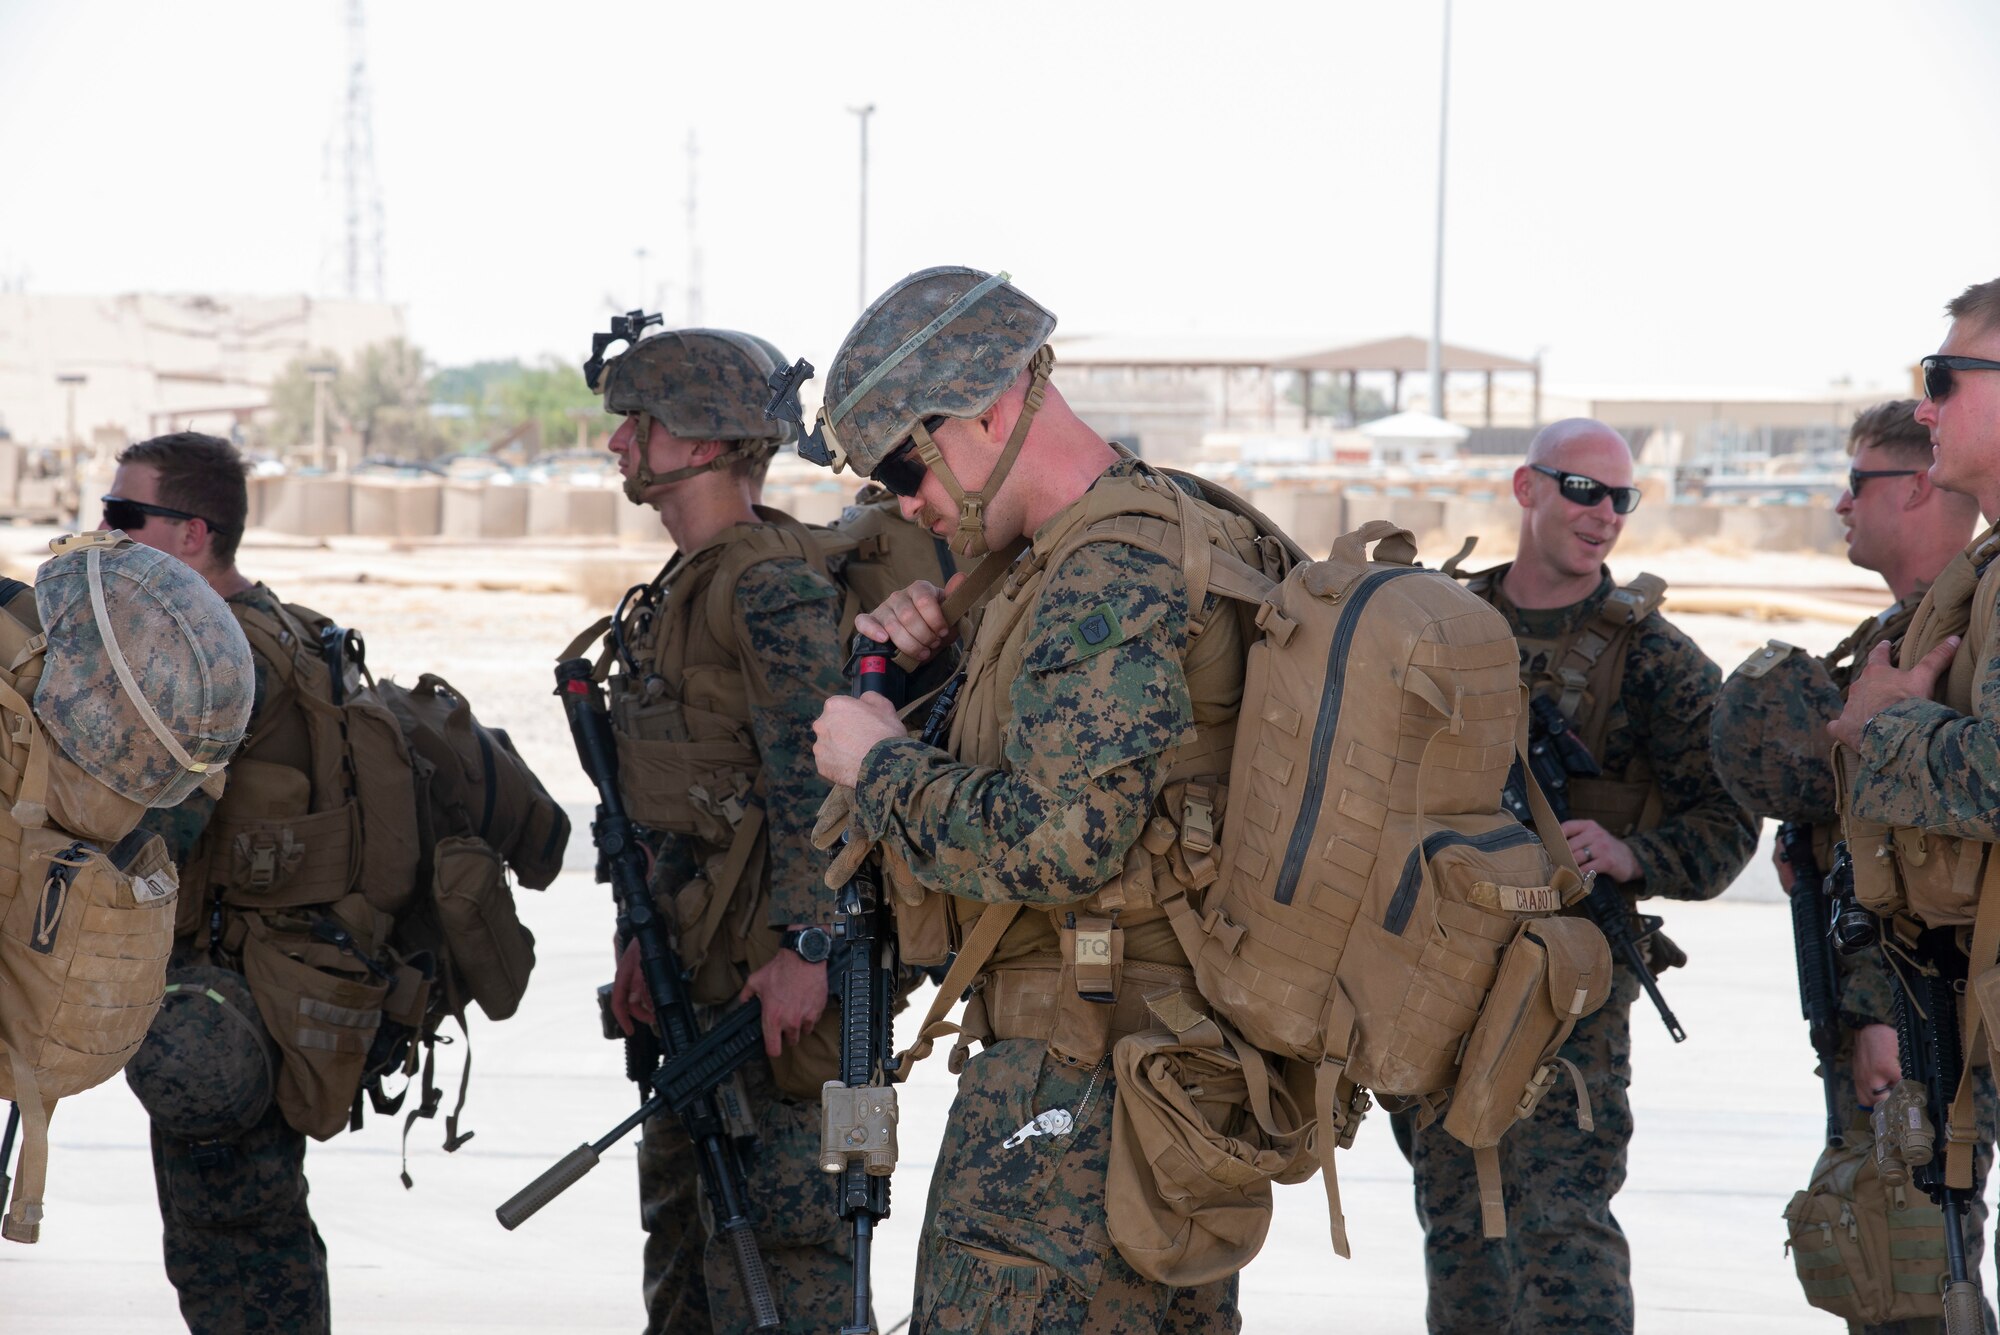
(1704, 838)
(1925, 765)
(1096, 706)
(790, 630)
(1865, 990)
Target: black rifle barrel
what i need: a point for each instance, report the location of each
(1819, 1001)
(695, 1062)
(1555, 753)
(867, 1004)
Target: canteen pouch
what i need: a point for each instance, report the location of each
(491, 952)
(1554, 972)
(1197, 1139)
(323, 1022)
(1869, 1254)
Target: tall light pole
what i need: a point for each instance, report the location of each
(861, 280)
(322, 376)
(1435, 362)
(72, 456)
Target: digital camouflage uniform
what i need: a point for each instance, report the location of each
(789, 619)
(241, 1248)
(1042, 810)
(1565, 1264)
(1763, 735)
(1934, 765)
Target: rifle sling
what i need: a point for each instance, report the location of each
(967, 595)
(1961, 1122)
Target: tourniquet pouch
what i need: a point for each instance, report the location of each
(490, 950)
(1486, 872)
(1197, 1139)
(1554, 972)
(1866, 1252)
(265, 847)
(323, 1021)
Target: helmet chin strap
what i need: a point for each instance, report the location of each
(970, 538)
(644, 479)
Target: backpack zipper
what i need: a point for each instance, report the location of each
(1323, 729)
(1405, 898)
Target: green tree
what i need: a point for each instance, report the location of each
(550, 394)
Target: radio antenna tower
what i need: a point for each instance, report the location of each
(361, 190)
(694, 246)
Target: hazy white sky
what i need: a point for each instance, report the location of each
(1756, 192)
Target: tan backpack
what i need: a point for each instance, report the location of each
(86, 899)
(1381, 711)
(401, 813)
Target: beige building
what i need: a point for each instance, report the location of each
(153, 362)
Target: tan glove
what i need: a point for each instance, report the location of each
(835, 826)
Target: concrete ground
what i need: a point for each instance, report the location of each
(1728, 1124)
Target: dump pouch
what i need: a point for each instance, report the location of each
(1201, 1127)
(1870, 1254)
(323, 1021)
(491, 952)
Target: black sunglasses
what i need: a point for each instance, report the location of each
(1857, 476)
(1588, 491)
(1938, 369)
(129, 515)
(901, 471)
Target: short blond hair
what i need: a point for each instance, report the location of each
(1977, 305)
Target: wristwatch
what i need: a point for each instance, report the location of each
(812, 944)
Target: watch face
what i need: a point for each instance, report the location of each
(813, 945)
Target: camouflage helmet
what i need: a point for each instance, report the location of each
(944, 342)
(207, 1070)
(147, 682)
(700, 384)
(1767, 735)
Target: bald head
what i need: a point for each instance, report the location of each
(1553, 444)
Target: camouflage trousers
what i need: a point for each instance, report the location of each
(691, 1284)
(241, 1248)
(1973, 1229)
(1014, 1239)
(1564, 1264)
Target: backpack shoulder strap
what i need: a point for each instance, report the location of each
(1609, 628)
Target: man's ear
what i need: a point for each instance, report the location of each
(705, 452)
(197, 541)
(1523, 481)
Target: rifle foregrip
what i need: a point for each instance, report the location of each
(756, 1279)
(1963, 1311)
(558, 1179)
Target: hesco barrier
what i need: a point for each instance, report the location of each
(1313, 512)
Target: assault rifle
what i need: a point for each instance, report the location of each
(858, 1111)
(1929, 975)
(1814, 947)
(695, 1063)
(1555, 754)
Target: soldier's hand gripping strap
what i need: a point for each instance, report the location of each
(967, 595)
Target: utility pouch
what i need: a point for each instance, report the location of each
(923, 923)
(266, 852)
(685, 787)
(1868, 1253)
(323, 1021)
(1555, 972)
(1877, 884)
(490, 950)
(386, 801)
